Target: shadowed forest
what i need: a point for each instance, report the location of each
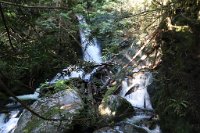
(40, 38)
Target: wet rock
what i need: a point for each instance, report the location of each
(64, 105)
(115, 107)
(122, 128)
(130, 128)
(106, 130)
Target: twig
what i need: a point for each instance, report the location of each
(105, 64)
(7, 90)
(106, 84)
(154, 62)
(153, 35)
(143, 109)
(159, 16)
(7, 29)
(28, 6)
(147, 11)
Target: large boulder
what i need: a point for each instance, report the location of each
(64, 105)
(130, 128)
(106, 130)
(122, 128)
(115, 107)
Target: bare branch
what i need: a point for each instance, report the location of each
(150, 37)
(28, 6)
(7, 90)
(6, 27)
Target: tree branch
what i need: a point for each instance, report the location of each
(6, 27)
(27, 6)
(7, 90)
(150, 37)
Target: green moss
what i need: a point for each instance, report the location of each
(110, 91)
(61, 85)
(120, 107)
(74, 82)
(36, 122)
(47, 89)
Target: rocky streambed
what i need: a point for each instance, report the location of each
(101, 100)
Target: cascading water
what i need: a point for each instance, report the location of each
(134, 89)
(91, 53)
(91, 48)
(8, 122)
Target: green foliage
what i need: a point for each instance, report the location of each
(115, 24)
(43, 42)
(47, 89)
(178, 107)
(176, 86)
(46, 41)
(110, 91)
(61, 85)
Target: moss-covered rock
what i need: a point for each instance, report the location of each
(47, 89)
(114, 107)
(64, 105)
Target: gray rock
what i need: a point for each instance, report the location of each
(115, 107)
(106, 130)
(122, 128)
(64, 105)
(130, 128)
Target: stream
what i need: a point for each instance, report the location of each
(134, 89)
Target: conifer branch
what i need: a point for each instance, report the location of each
(6, 27)
(30, 6)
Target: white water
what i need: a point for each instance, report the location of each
(67, 73)
(33, 96)
(91, 52)
(138, 98)
(10, 125)
(91, 48)
(8, 121)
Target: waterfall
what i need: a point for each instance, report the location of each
(133, 90)
(8, 121)
(91, 48)
(91, 53)
(136, 90)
